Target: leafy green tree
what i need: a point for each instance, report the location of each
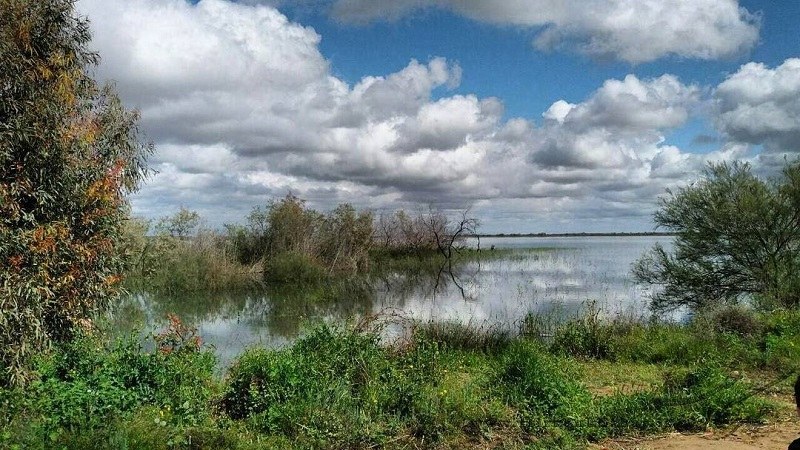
(181, 225)
(738, 238)
(69, 153)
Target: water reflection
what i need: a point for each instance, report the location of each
(539, 275)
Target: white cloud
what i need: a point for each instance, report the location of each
(633, 105)
(253, 111)
(619, 125)
(629, 30)
(761, 105)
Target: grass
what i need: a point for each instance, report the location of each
(603, 377)
(445, 386)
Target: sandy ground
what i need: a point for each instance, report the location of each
(775, 436)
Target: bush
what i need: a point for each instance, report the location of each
(341, 389)
(86, 393)
(736, 319)
(689, 401)
(183, 257)
(736, 238)
(588, 336)
(545, 390)
(319, 381)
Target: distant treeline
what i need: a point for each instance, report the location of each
(598, 234)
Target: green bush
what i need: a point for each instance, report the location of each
(85, 387)
(341, 389)
(737, 319)
(781, 322)
(658, 343)
(585, 337)
(689, 400)
(317, 386)
(782, 352)
(545, 390)
(736, 239)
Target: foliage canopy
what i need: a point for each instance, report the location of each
(738, 238)
(69, 153)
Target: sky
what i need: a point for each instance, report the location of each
(537, 115)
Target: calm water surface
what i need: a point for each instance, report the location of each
(541, 275)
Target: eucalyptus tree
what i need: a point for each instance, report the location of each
(69, 154)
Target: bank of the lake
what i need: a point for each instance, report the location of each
(443, 385)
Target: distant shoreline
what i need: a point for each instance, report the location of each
(599, 234)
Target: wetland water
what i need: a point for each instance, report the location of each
(540, 274)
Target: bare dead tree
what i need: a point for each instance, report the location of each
(449, 238)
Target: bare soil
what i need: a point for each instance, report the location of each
(774, 436)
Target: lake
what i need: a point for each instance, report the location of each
(541, 274)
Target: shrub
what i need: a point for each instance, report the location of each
(737, 319)
(782, 352)
(180, 263)
(274, 384)
(736, 238)
(588, 336)
(689, 400)
(545, 390)
(87, 394)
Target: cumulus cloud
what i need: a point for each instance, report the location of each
(620, 125)
(761, 105)
(630, 30)
(243, 107)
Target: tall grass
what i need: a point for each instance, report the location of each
(203, 262)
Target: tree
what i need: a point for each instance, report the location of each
(346, 237)
(449, 235)
(181, 225)
(69, 154)
(426, 231)
(737, 238)
(250, 242)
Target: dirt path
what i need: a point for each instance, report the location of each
(776, 436)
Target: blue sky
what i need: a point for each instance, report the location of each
(540, 115)
(500, 61)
